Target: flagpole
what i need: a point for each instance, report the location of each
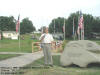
(73, 30)
(54, 26)
(64, 29)
(81, 34)
(78, 29)
(19, 34)
(83, 29)
(42, 19)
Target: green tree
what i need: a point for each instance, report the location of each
(58, 22)
(96, 25)
(7, 23)
(88, 24)
(91, 24)
(69, 24)
(26, 26)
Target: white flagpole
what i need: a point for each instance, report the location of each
(42, 19)
(78, 29)
(64, 29)
(54, 26)
(73, 30)
(83, 31)
(81, 34)
(19, 34)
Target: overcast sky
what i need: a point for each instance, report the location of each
(41, 12)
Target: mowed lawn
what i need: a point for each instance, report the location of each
(8, 45)
(37, 68)
(97, 41)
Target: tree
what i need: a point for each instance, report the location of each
(26, 26)
(7, 23)
(58, 22)
(96, 25)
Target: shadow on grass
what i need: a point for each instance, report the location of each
(40, 62)
(56, 62)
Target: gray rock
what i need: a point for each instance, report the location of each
(81, 53)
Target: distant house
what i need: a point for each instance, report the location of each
(10, 34)
(37, 32)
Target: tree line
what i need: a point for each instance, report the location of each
(91, 24)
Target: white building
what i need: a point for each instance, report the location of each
(37, 32)
(10, 34)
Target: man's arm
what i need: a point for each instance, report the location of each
(42, 37)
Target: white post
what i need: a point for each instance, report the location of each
(42, 19)
(78, 29)
(19, 34)
(64, 29)
(83, 31)
(81, 34)
(54, 26)
(19, 39)
(73, 30)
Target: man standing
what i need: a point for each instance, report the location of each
(46, 42)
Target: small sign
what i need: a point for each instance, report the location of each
(14, 38)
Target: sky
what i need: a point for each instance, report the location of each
(41, 12)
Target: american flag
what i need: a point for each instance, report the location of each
(80, 24)
(17, 24)
(63, 26)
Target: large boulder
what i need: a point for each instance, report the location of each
(81, 53)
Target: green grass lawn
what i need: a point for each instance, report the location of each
(97, 41)
(7, 45)
(6, 56)
(58, 69)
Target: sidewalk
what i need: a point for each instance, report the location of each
(13, 53)
(21, 61)
(11, 65)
